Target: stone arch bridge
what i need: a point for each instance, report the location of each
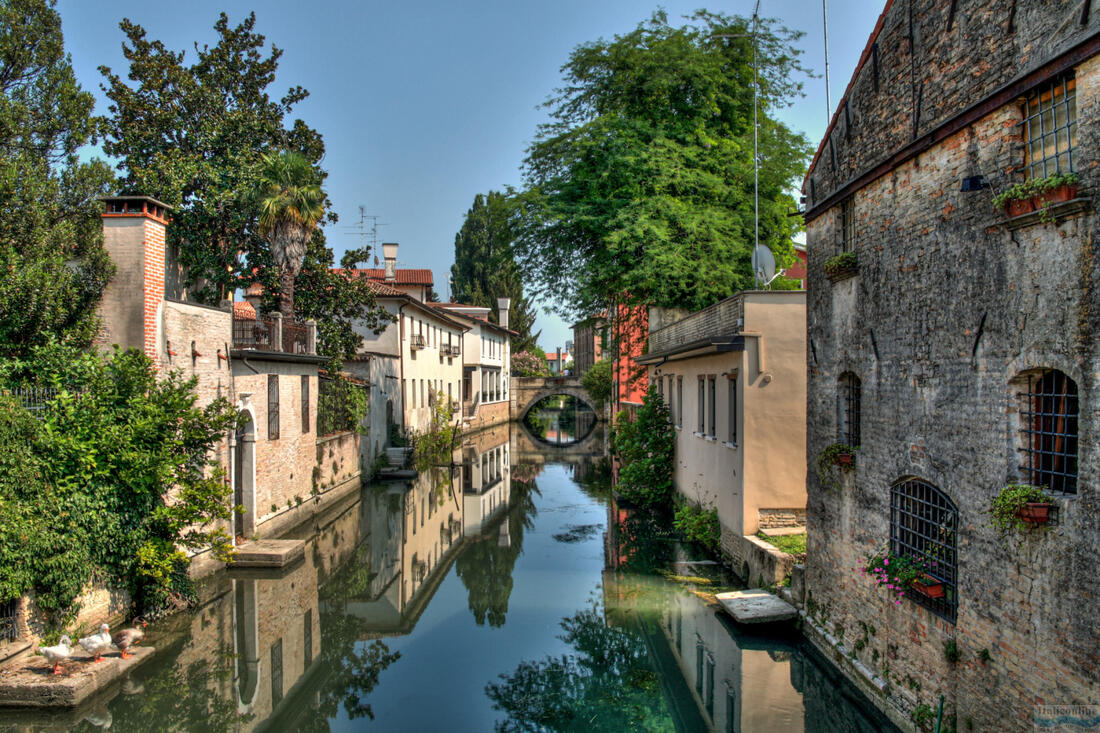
(528, 391)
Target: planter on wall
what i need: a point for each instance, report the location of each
(1019, 207)
(928, 586)
(1034, 512)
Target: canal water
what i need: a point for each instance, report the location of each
(505, 592)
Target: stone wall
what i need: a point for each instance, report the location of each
(493, 413)
(786, 517)
(950, 304)
(337, 460)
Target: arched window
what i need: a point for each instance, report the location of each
(1048, 430)
(847, 409)
(923, 523)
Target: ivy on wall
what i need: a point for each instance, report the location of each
(85, 479)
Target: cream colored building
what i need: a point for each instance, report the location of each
(486, 360)
(734, 376)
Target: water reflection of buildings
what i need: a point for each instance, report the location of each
(486, 477)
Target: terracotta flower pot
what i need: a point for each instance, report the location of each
(1034, 512)
(1056, 195)
(845, 460)
(1019, 207)
(928, 587)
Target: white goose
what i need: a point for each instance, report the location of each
(97, 644)
(57, 654)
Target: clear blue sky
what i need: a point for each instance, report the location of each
(424, 104)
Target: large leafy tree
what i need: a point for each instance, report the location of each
(485, 269)
(195, 136)
(291, 205)
(51, 249)
(640, 188)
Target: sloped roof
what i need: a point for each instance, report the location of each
(403, 276)
(243, 309)
(381, 288)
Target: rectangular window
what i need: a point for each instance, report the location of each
(1050, 128)
(272, 406)
(679, 402)
(661, 388)
(702, 405)
(699, 654)
(732, 384)
(731, 711)
(709, 698)
(276, 673)
(711, 403)
(307, 636)
(305, 404)
(847, 225)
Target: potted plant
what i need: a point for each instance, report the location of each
(928, 586)
(1018, 506)
(841, 456)
(841, 266)
(1037, 193)
(895, 573)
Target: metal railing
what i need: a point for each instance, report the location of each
(35, 400)
(416, 341)
(254, 333)
(9, 631)
(295, 338)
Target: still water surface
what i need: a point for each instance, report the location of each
(502, 593)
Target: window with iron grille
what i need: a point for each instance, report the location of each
(731, 384)
(712, 403)
(8, 629)
(305, 404)
(1050, 128)
(847, 409)
(923, 528)
(847, 225)
(702, 405)
(272, 406)
(1048, 431)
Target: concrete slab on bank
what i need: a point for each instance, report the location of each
(28, 682)
(268, 554)
(756, 606)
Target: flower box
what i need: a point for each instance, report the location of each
(1034, 512)
(928, 586)
(1019, 207)
(1056, 195)
(844, 460)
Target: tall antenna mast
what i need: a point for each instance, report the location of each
(825, 24)
(367, 231)
(755, 143)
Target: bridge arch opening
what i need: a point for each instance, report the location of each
(559, 419)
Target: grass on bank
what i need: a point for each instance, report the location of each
(792, 544)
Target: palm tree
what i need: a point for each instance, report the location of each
(291, 204)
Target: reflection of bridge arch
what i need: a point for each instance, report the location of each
(526, 447)
(529, 391)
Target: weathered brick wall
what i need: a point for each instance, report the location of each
(337, 459)
(792, 517)
(930, 62)
(949, 305)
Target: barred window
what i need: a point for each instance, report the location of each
(272, 406)
(847, 225)
(1050, 128)
(732, 384)
(923, 528)
(1048, 430)
(711, 406)
(847, 409)
(702, 405)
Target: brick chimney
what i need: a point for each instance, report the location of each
(503, 304)
(389, 252)
(133, 235)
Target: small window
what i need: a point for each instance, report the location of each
(276, 672)
(847, 225)
(732, 385)
(700, 653)
(307, 636)
(711, 404)
(847, 409)
(923, 528)
(272, 406)
(661, 388)
(1048, 431)
(1050, 128)
(702, 405)
(305, 404)
(708, 700)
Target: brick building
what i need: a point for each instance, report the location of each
(264, 366)
(959, 352)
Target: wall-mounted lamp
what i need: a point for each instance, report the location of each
(974, 183)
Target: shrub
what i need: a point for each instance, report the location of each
(529, 364)
(699, 525)
(597, 382)
(646, 448)
(1008, 502)
(841, 262)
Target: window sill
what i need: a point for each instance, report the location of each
(711, 438)
(1059, 212)
(731, 446)
(838, 275)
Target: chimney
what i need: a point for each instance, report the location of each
(503, 304)
(389, 252)
(133, 235)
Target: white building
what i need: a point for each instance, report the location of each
(486, 360)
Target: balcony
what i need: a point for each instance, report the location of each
(270, 333)
(416, 342)
(451, 350)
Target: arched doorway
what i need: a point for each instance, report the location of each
(244, 476)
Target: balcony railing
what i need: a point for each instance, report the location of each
(450, 350)
(272, 333)
(416, 342)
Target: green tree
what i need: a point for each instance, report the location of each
(194, 136)
(51, 250)
(485, 269)
(640, 188)
(597, 382)
(291, 205)
(646, 446)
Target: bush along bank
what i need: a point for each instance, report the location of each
(87, 472)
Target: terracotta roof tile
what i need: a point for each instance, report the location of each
(403, 276)
(243, 309)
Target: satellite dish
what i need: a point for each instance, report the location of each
(763, 264)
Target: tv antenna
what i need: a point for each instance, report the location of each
(367, 231)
